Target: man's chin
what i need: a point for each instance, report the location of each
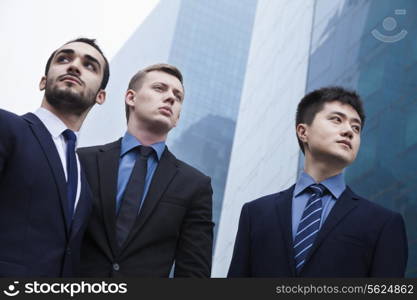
(342, 159)
(68, 101)
(67, 104)
(161, 125)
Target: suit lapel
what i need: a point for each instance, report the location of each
(341, 209)
(52, 156)
(164, 173)
(284, 209)
(108, 164)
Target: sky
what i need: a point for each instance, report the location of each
(32, 30)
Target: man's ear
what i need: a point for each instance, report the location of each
(302, 132)
(42, 83)
(130, 97)
(101, 97)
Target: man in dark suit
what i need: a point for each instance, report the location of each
(319, 227)
(150, 210)
(44, 197)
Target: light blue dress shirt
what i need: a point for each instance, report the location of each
(336, 185)
(127, 161)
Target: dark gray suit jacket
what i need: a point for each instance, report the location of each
(174, 223)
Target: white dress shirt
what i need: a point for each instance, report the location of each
(55, 127)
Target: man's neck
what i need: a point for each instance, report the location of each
(145, 136)
(72, 121)
(320, 170)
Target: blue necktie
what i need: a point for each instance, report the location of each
(309, 226)
(72, 173)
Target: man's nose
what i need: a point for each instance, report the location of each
(347, 131)
(170, 97)
(75, 67)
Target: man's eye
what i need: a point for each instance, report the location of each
(62, 59)
(90, 66)
(337, 119)
(179, 97)
(357, 129)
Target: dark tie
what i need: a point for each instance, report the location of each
(72, 173)
(309, 226)
(132, 196)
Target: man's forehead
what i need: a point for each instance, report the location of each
(338, 105)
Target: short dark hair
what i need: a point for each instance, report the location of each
(137, 80)
(91, 42)
(313, 102)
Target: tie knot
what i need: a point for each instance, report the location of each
(318, 189)
(69, 135)
(145, 151)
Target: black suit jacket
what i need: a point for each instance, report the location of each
(35, 238)
(174, 223)
(358, 239)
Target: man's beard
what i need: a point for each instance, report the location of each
(66, 101)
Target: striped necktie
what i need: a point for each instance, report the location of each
(309, 226)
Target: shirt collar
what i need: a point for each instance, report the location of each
(129, 142)
(335, 184)
(54, 124)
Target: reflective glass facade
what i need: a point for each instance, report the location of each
(210, 46)
(371, 46)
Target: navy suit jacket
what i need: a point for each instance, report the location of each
(358, 239)
(35, 238)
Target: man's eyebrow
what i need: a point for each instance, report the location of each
(176, 91)
(344, 116)
(66, 51)
(161, 83)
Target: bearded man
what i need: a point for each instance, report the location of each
(44, 198)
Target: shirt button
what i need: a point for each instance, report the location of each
(68, 251)
(116, 267)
